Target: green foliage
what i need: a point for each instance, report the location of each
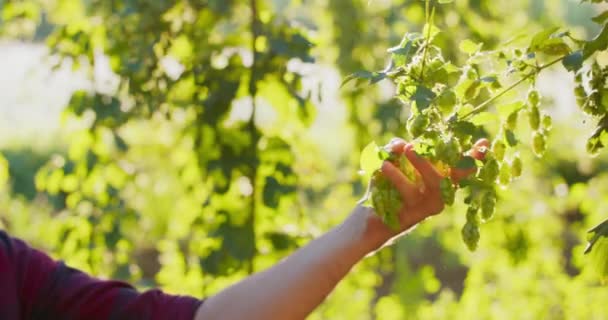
(421, 74)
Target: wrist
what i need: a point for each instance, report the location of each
(369, 232)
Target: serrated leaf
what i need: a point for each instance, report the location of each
(601, 18)
(595, 144)
(432, 32)
(463, 129)
(423, 97)
(574, 61)
(541, 38)
(598, 138)
(554, 46)
(469, 47)
(466, 163)
(450, 68)
(598, 249)
(601, 230)
(506, 109)
(377, 76)
(401, 53)
(362, 74)
(599, 43)
(369, 160)
(483, 118)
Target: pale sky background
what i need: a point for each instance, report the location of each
(32, 95)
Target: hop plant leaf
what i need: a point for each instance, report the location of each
(597, 248)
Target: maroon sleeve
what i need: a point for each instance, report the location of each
(47, 289)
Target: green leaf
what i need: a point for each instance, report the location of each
(362, 74)
(401, 53)
(555, 46)
(506, 109)
(377, 77)
(595, 143)
(469, 47)
(444, 1)
(373, 77)
(601, 230)
(549, 43)
(432, 32)
(541, 38)
(423, 97)
(601, 18)
(466, 163)
(574, 61)
(598, 247)
(484, 118)
(599, 43)
(369, 160)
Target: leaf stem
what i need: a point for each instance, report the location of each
(253, 174)
(484, 105)
(428, 37)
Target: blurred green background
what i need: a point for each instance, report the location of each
(186, 144)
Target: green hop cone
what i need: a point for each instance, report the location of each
(470, 235)
(488, 204)
(547, 122)
(504, 176)
(511, 123)
(533, 97)
(382, 195)
(417, 125)
(489, 172)
(385, 200)
(472, 217)
(448, 151)
(539, 143)
(534, 117)
(448, 191)
(499, 148)
(516, 167)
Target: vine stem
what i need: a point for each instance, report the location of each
(428, 37)
(484, 105)
(251, 126)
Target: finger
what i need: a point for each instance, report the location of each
(480, 148)
(430, 176)
(405, 187)
(396, 145)
(478, 152)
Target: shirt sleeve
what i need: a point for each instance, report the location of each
(49, 289)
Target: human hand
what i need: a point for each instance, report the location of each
(420, 200)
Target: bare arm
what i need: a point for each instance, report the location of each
(293, 288)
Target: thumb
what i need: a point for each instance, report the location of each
(477, 152)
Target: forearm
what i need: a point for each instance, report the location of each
(293, 288)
